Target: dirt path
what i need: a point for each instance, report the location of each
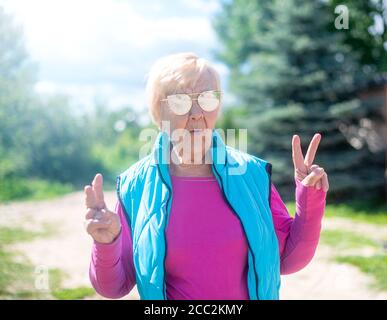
(69, 250)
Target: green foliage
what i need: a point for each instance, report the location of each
(14, 235)
(114, 137)
(74, 293)
(47, 147)
(17, 274)
(294, 74)
(362, 35)
(12, 272)
(231, 117)
(33, 189)
(361, 211)
(345, 240)
(16, 81)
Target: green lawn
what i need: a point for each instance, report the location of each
(369, 212)
(18, 275)
(343, 240)
(376, 266)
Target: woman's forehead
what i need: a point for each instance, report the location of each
(203, 84)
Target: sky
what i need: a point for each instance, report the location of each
(103, 49)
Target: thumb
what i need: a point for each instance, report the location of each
(313, 177)
(108, 213)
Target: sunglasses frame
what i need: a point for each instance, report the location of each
(194, 99)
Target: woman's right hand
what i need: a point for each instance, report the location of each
(101, 223)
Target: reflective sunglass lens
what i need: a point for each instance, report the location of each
(180, 104)
(209, 100)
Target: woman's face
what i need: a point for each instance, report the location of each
(191, 133)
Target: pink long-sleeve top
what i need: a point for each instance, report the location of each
(207, 248)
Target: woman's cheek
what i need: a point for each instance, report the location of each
(211, 118)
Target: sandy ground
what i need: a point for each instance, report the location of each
(68, 249)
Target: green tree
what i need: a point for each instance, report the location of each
(41, 139)
(16, 91)
(295, 74)
(367, 31)
(115, 139)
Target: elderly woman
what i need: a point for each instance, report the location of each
(200, 220)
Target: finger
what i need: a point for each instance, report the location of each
(312, 149)
(325, 182)
(96, 215)
(90, 199)
(90, 214)
(92, 225)
(105, 215)
(298, 158)
(98, 190)
(318, 184)
(300, 175)
(312, 167)
(313, 177)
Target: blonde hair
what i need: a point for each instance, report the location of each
(172, 73)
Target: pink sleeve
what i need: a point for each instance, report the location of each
(298, 237)
(111, 268)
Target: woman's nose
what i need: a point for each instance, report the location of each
(196, 112)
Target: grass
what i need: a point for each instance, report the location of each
(16, 272)
(13, 275)
(31, 189)
(13, 235)
(18, 275)
(342, 239)
(359, 211)
(376, 266)
(74, 294)
(366, 211)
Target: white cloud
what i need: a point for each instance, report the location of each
(86, 31)
(105, 47)
(86, 95)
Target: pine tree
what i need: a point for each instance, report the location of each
(295, 74)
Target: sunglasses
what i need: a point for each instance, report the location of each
(181, 103)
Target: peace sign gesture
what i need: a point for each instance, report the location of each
(305, 171)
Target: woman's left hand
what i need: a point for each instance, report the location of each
(305, 171)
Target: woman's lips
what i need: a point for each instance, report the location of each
(196, 131)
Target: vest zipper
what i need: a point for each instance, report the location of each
(165, 236)
(233, 210)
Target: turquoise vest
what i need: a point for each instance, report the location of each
(145, 193)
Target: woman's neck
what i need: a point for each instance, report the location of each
(191, 170)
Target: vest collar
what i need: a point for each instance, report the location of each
(161, 150)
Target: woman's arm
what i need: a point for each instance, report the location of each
(298, 237)
(111, 268)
